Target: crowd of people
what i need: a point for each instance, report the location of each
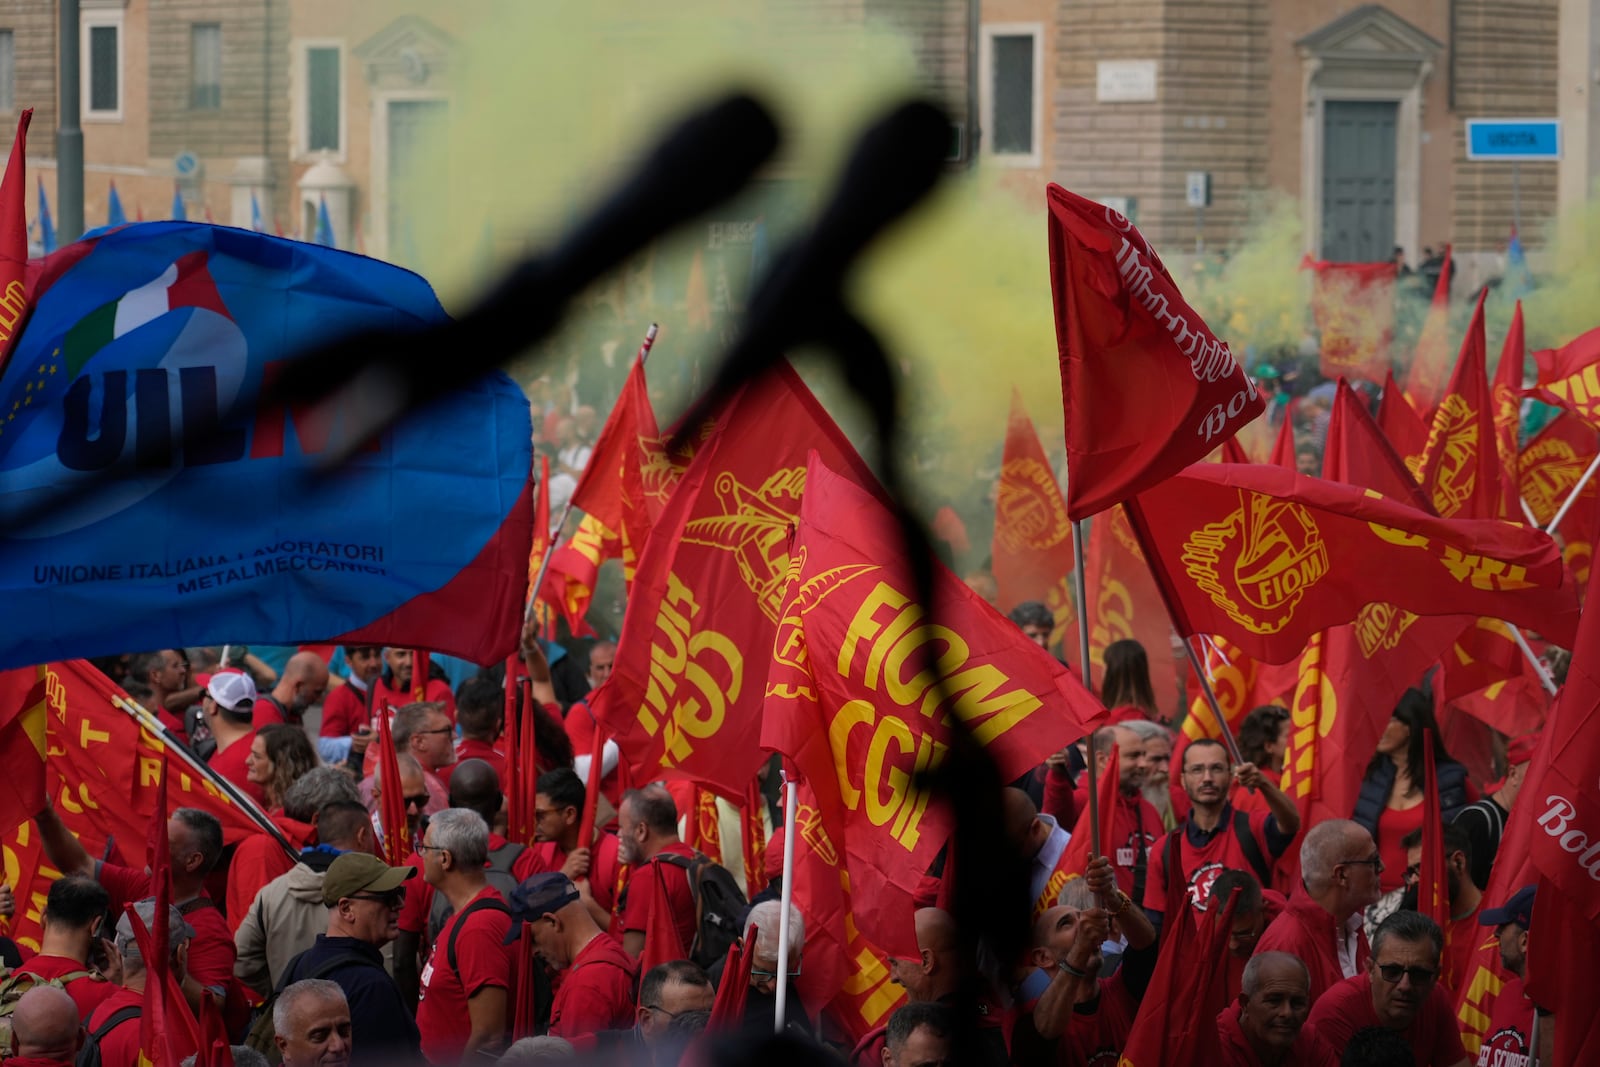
(338, 956)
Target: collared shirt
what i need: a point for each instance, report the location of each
(1348, 943)
(1049, 854)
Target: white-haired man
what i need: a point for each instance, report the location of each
(311, 1024)
(1339, 869)
(760, 1006)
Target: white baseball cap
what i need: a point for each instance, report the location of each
(233, 690)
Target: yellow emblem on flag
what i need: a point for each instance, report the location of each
(1549, 471)
(1258, 563)
(1455, 430)
(1030, 506)
(1379, 627)
(755, 526)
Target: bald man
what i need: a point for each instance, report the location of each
(1339, 869)
(1266, 1025)
(1043, 841)
(933, 977)
(304, 680)
(45, 1028)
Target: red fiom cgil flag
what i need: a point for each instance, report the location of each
(14, 240)
(1353, 304)
(1569, 376)
(1460, 462)
(1146, 387)
(1032, 550)
(1430, 361)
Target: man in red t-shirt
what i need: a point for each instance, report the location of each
(580, 725)
(229, 709)
(1461, 934)
(119, 1043)
(425, 733)
(45, 1029)
(481, 716)
(73, 912)
(598, 871)
(347, 709)
(172, 691)
(464, 1010)
(647, 839)
(1137, 824)
(1399, 992)
(1510, 1031)
(1339, 868)
(1213, 837)
(598, 979)
(1266, 1023)
(300, 686)
(195, 840)
(394, 688)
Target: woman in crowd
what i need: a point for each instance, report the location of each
(279, 754)
(1127, 678)
(1263, 737)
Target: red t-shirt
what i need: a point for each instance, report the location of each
(229, 762)
(1461, 940)
(597, 991)
(471, 748)
(1505, 1043)
(1094, 1037)
(121, 1044)
(211, 951)
(419, 894)
(608, 875)
(1307, 931)
(1393, 826)
(257, 860)
(1201, 865)
(653, 877)
(1135, 827)
(579, 725)
(343, 709)
(86, 993)
(483, 961)
(1347, 1007)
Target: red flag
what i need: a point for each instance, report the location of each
(167, 1030)
(544, 598)
(1240, 685)
(1177, 1021)
(754, 840)
(1569, 376)
(1402, 426)
(1460, 463)
(1283, 451)
(524, 1015)
(14, 239)
(727, 1011)
(1359, 449)
(23, 726)
(421, 664)
(591, 788)
(661, 941)
(851, 702)
(845, 980)
(575, 570)
(216, 1049)
(684, 698)
(1237, 550)
(1353, 305)
(1125, 604)
(1432, 355)
(1507, 398)
(1032, 554)
(1433, 890)
(1560, 962)
(1147, 388)
(519, 823)
(1549, 469)
(396, 842)
(1080, 846)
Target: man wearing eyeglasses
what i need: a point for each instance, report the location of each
(1339, 868)
(426, 734)
(1214, 837)
(1462, 894)
(761, 1002)
(598, 977)
(1399, 992)
(363, 895)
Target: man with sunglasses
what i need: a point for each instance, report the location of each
(596, 990)
(363, 895)
(1400, 991)
(1339, 868)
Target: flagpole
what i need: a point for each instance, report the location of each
(1572, 497)
(544, 564)
(170, 742)
(782, 991)
(1538, 666)
(1081, 593)
(1228, 740)
(1527, 512)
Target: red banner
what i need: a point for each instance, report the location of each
(684, 699)
(1147, 388)
(1177, 1021)
(1548, 471)
(14, 239)
(1283, 449)
(1240, 685)
(104, 757)
(1238, 550)
(1032, 550)
(864, 689)
(1461, 461)
(1125, 604)
(1569, 376)
(1402, 425)
(1506, 393)
(1432, 354)
(1358, 453)
(1353, 305)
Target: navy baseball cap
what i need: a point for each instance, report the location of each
(1519, 910)
(537, 896)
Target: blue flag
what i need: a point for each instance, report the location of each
(255, 215)
(114, 213)
(47, 228)
(142, 361)
(324, 236)
(180, 211)
(1518, 280)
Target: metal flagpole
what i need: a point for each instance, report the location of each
(1081, 593)
(1572, 497)
(1533, 1041)
(1228, 740)
(1527, 512)
(782, 992)
(566, 512)
(1545, 679)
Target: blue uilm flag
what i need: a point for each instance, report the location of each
(324, 234)
(47, 228)
(115, 216)
(143, 360)
(255, 215)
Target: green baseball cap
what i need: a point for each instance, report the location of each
(361, 872)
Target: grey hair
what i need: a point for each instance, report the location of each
(1147, 730)
(1077, 894)
(1252, 970)
(318, 786)
(534, 1049)
(243, 1056)
(127, 945)
(413, 719)
(765, 917)
(1319, 852)
(289, 999)
(1412, 926)
(405, 762)
(463, 833)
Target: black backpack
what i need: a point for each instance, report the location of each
(89, 1054)
(719, 906)
(499, 875)
(1247, 845)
